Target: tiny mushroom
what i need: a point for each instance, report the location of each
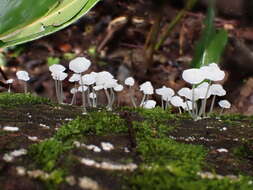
(24, 76)
(130, 82)
(224, 104)
(9, 82)
(147, 89)
(149, 104)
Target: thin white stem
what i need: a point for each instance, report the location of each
(162, 102)
(88, 96)
(203, 110)
(108, 99)
(212, 104)
(9, 88)
(73, 99)
(143, 99)
(132, 98)
(25, 87)
(221, 111)
(83, 96)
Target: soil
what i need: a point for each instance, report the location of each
(211, 133)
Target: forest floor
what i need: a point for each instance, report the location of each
(113, 35)
(61, 148)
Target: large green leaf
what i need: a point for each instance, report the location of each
(15, 14)
(56, 18)
(215, 48)
(205, 39)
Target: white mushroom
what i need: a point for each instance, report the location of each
(224, 104)
(147, 89)
(149, 104)
(129, 81)
(166, 94)
(24, 76)
(193, 76)
(79, 64)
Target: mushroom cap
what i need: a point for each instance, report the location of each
(187, 105)
(103, 77)
(177, 101)
(184, 92)
(147, 88)
(202, 90)
(82, 88)
(22, 75)
(88, 79)
(75, 77)
(224, 104)
(165, 92)
(111, 83)
(57, 68)
(59, 75)
(10, 81)
(149, 104)
(98, 87)
(92, 95)
(73, 90)
(188, 93)
(118, 88)
(129, 81)
(212, 72)
(193, 76)
(217, 89)
(79, 64)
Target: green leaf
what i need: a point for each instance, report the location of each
(216, 47)
(58, 17)
(15, 14)
(206, 37)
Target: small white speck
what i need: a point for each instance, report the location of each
(12, 129)
(222, 150)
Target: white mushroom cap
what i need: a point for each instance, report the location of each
(147, 88)
(57, 68)
(118, 88)
(75, 77)
(23, 75)
(59, 76)
(82, 88)
(73, 90)
(129, 81)
(98, 87)
(212, 72)
(193, 76)
(224, 104)
(103, 77)
(110, 83)
(187, 105)
(149, 104)
(79, 64)
(10, 81)
(165, 92)
(202, 90)
(92, 95)
(88, 79)
(217, 89)
(187, 93)
(177, 101)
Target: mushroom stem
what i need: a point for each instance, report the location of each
(132, 98)
(108, 99)
(88, 98)
(112, 97)
(212, 104)
(94, 100)
(179, 109)
(73, 99)
(83, 96)
(203, 108)
(193, 102)
(221, 111)
(9, 88)
(142, 101)
(25, 87)
(162, 102)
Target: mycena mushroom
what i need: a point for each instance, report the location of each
(24, 76)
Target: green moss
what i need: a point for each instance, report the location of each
(94, 123)
(10, 100)
(46, 153)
